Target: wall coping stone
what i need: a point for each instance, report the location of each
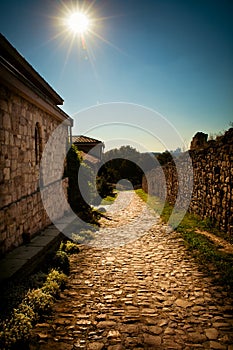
(23, 260)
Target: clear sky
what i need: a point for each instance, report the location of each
(174, 57)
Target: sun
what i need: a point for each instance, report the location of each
(78, 23)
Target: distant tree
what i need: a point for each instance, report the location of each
(177, 152)
(122, 163)
(148, 161)
(105, 188)
(165, 158)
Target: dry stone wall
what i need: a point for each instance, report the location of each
(212, 195)
(24, 131)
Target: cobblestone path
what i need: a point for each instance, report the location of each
(147, 294)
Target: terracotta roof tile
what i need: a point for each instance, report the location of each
(90, 158)
(84, 139)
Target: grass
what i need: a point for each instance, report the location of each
(218, 263)
(109, 199)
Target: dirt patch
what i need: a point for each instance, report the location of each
(221, 243)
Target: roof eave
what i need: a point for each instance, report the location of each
(18, 62)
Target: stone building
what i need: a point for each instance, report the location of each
(91, 149)
(29, 114)
(89, 145)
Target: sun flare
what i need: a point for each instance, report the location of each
(80, 27)
(78, 23)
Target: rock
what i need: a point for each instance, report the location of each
(101, 317)
(129, 328)
(95, 346)
(162, 323)
(169, 330)
(196, 337)
(155, 330)
(83, 322)
(171, 345)
(113, 334)
(183, 303)
(116, 347)
(43, 336)
(211, 333)
(221, 325)
(152, 340)
(217, 346)
(42, 325)
(106, 324)
(132, 341)
(197, 308)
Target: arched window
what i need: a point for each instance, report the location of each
(38, 143)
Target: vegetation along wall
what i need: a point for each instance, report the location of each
(212, 195)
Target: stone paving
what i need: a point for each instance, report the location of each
(146, 294)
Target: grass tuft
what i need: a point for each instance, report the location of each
(109, 199)
(218, 263)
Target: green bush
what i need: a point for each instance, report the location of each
(17, 328)
(32, 305)
(61, 262)
(69, 247)
(56, 276)
(83, 237)
(51, 288)
(80, 176)
(39, 301)
(15, 331)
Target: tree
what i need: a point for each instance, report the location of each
(165, 158)
(81, 179)
(122, 163)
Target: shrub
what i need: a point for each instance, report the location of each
(17, 328)
(83, 237)
(80, 176)
(15, 331)
(51, 288)
(56, 276)
(39, 301)
(69, 247)
(61, 261)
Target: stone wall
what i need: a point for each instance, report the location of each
(24, 130)
(212, 195)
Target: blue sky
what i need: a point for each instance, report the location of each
(174, 57)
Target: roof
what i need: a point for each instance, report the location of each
(89, 158)
(12, 60)
(84, 139)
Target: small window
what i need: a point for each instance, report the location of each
(38, 143)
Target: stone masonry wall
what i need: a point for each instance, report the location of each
(24, 131)
(212, 195)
